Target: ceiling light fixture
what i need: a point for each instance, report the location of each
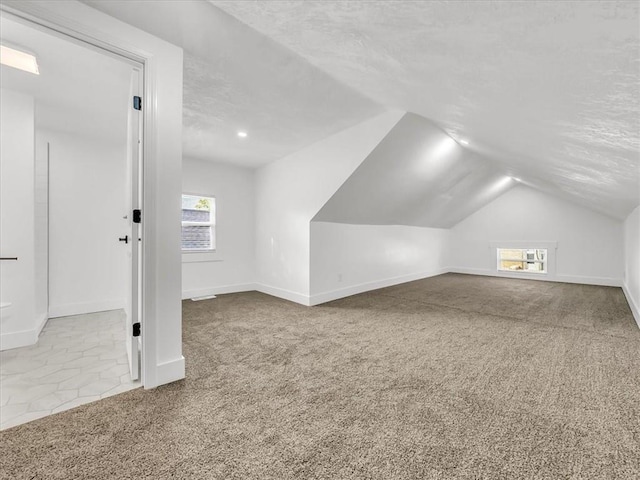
(516, 179)
(464, 142)
(443, 147)
(17, 59)
(242, 134)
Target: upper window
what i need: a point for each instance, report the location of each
(198, 223)
(532, 260)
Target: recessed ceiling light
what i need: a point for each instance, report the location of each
(464, 142)
(242, 134)
(17, 59)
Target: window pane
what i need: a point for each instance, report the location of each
(512, 254)
(193, 215)
(197, 237)
(198, 209)
(522, 259)
(509, 265)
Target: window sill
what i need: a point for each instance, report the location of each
(198, 257)
(524, 272)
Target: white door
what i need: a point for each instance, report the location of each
(133, 235)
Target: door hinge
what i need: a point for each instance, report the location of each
(137, 103)
(137, 216)
(136, 329)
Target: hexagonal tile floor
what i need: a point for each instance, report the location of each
(77, 360)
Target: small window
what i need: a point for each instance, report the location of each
(198, 223)
(530, 260)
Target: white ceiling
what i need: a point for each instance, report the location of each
(78, 90)
(237, 79)
(547, 89)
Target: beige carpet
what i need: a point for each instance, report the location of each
(450, 377)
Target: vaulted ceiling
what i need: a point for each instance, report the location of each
(547, 91)
(237, 79)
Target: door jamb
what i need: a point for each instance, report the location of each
(40, 17)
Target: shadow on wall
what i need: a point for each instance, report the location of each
(419, 176)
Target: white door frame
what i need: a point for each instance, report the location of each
(40, 17)
(134, 198)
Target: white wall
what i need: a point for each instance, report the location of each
(589, 245)
(349, 259)
(87, 178)
(290, 191)
(162, 326)
(232, 267)
(632, 262)
(19, 325)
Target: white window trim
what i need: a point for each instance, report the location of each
(550, 246)
(201, 255)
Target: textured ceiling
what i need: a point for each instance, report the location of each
(75, 84)
(417, 175)
(237, 79)
(549, 90)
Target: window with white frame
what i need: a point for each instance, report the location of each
(198, 223)
(530, 260)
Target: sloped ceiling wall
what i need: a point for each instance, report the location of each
(236, 78)
(417, 175)
(548, 88)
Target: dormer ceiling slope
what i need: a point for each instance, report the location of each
(417, 175)
(547, 90)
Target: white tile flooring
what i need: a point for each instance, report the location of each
(77, 360)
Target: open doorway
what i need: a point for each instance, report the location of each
(71, 193)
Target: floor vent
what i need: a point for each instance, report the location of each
(197, 299)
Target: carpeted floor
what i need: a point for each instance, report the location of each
(450, 377)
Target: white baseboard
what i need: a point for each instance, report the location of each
(633, 303)
(40, 324)
(603, 281)
(469, 271)
(167, 372)
(295, 297)
(23, 338)
(81, 308)
(324, 297)
(220, 290)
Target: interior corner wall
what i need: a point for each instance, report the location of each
(631, 283)
(348, 259)
(589, 244)
(289, 193)
(18, 323)
(87, 178)
(232, 267)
